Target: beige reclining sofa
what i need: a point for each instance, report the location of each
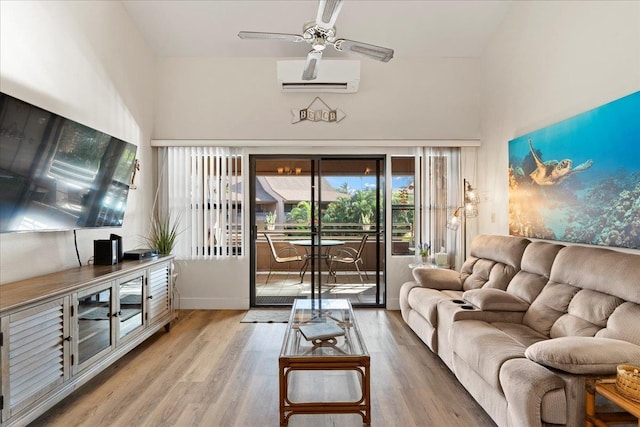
(523, 324)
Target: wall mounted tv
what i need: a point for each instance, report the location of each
(56, 174)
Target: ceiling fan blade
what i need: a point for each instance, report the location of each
(378, 53)
(328, 11)
(271, 36)
(311, 65)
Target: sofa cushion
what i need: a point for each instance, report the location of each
(603, 270)
(520, 333)
(552, 303)
(484, 348)
(618, 326)
(452, 294)
(587, 313)
(527, 286)
(534, 270)
(584, 355)
(506, 250)
(493, 261)
(425, 302)
(538, 257)
(495, 300)
(437, 278)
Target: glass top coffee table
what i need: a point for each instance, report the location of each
(323, 364)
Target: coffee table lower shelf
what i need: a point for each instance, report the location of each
(607, 389)
(359, 364)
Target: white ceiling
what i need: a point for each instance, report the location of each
(416, 28)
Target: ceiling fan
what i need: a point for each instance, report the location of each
(319, 34)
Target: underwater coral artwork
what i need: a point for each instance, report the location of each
(579, 180)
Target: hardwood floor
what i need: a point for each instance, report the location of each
(212, 370)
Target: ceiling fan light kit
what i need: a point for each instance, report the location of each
(319, 34)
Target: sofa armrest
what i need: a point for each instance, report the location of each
(457, 310)
(525, 384)
(495, 300)
(584, 355)
(403, 298)
(437, 278)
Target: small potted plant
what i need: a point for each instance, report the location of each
(423, 250)
(365, 219)
(163, 233)
(270, 220)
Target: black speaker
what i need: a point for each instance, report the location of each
(120, 248)
(105, 252)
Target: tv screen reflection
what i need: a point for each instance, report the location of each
(57, 174)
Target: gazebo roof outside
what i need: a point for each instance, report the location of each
(262, 196)
(295, 188)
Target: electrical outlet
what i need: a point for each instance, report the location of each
(493, 217)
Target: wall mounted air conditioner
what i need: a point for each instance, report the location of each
(333, 76)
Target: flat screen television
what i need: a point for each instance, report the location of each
(57, 174)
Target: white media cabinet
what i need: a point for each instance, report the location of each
(59, 330)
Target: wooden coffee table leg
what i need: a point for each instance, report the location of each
(283, 392)
(589, 403)
(366, 392)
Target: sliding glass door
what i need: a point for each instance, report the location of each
(317, 229)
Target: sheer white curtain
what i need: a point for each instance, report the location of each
(203, 186)
(440, 192)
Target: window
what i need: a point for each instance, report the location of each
(402, 204)
(424, 193)
(203, 185)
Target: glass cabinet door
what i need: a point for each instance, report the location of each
(129, 314)
(94, 323)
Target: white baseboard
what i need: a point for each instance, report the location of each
(393, 304)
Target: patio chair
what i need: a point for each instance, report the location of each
(348, 255)
(285, 254)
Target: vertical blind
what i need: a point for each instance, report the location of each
(203, 186)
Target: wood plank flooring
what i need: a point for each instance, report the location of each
(212, 370)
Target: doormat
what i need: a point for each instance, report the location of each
(276, 299)
(262, 315)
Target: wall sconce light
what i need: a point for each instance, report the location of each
(280, 171)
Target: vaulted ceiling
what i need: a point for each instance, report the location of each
(414, 29)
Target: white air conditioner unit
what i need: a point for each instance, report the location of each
(333, 76)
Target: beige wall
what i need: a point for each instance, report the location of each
(549, 61)
(87, 62)
(239, 99)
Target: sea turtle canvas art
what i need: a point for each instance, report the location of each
(596, 202)
(553, 172)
